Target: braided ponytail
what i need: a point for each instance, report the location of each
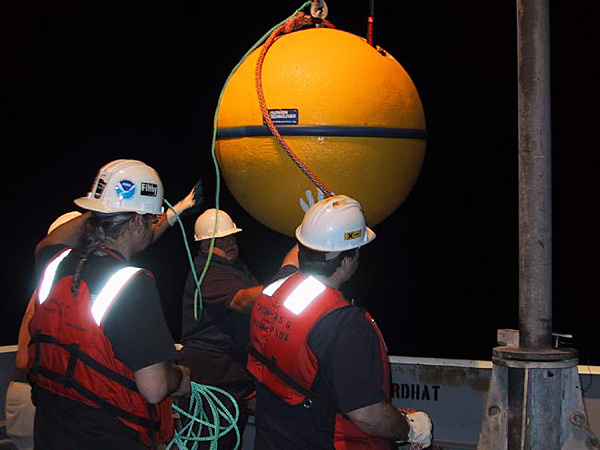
(97, 228)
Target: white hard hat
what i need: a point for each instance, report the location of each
(125, 185)
(334, 224)
(66, 217)
(205, 225)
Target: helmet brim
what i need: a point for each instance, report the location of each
(93, 204)
(370, 236)
(218, 235)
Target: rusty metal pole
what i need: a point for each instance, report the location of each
(535, 175)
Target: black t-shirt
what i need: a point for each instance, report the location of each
(350, 373)
(221, 329)
(216, 348)
(139, 335)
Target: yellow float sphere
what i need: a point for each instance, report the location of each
(349, 111)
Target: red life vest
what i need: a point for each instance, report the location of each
(70, 355)
(281, 359)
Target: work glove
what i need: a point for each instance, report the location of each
(306, 204)
(420, 428)
(188, 205)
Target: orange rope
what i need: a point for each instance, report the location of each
(294, 23)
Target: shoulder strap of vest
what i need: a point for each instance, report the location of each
(275, 285)
(50, 273)
(111, 290)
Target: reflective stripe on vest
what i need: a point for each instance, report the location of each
(303, 295)
(48, 277)
(103, 300)
(110, 290)
(272, 288)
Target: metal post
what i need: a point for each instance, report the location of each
(534, 392)
(535, 166)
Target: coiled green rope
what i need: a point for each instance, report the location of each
(200, 426)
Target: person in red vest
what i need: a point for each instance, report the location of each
(18, 408)
(101, 360)
(321, 365)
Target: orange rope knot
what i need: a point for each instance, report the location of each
(301, 20)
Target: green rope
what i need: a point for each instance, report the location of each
(214, 156)
(202, 426)
(254, 47)
(197, 301)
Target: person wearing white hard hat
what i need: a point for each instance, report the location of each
(320, 362)
(18, 408)
(102, 361)
(215, 344)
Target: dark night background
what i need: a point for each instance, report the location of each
(89, 82)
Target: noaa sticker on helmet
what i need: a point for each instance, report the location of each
(125, 189)
(349, 235)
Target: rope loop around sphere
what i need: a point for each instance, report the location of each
(296, 22)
